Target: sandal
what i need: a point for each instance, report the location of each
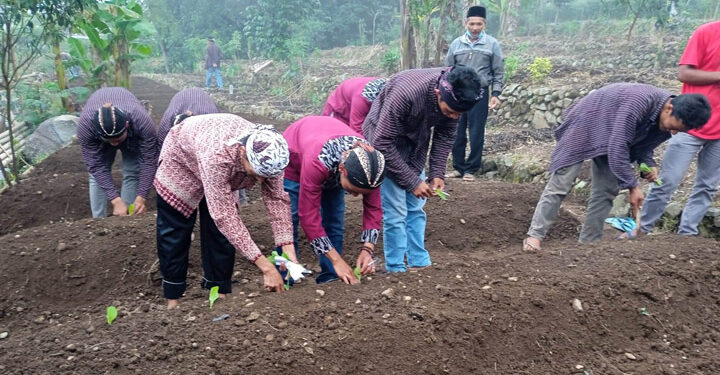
(527, 246)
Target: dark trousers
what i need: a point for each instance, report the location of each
(474, 121)
(173, 245)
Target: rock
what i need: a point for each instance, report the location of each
(673, 209)
(282, 325)
(577, 305)
(539, 121)
(71, 347)
(61, 246)
(551, 119)
(253, 295)
(4, 335)
(50, 136)
(462, 221)
(630, 356)
(407, 298)
(672, 256)
(621, 207)
(513, 279)
(489, 165)
(320, 292)
(253, 316)
(270, 338)
(388, 293)
(579, 367)
(713, 212)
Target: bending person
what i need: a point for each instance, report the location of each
(114, 120)
(188, 102)
(328, 159)
(350, 102)
(202, 161)
(614, 126)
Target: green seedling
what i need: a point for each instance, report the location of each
(111, 313)
(358, 273)
(131, 209)
(274, 254)
(214, 294)
(644, 168)
(644, 311)
(443, 195)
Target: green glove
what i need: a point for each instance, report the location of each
(644, 168)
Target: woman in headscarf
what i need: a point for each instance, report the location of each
(350, 102)
(327, 159)
(203, 160)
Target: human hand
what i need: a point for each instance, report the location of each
(651, 176)
(119, 207)
(342, 269)
(272, 281)
(437, 183)
(423, 190)
(139, 205)
(365, 261)
(636, 197)
(494, 102)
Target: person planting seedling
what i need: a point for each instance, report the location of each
(328, 159)
(638, 118)
(350, 102)
(203, 160)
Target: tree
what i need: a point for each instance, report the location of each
(25, 26)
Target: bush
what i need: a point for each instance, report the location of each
(391, 61)
(512, 64)
(540, 68)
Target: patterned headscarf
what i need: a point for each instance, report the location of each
(365, 169)
(110, 121)
(266, 150)
(372, 89)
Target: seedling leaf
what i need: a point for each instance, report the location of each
(644, 168)
(131, 209)
(644, 311)
(214, 294)
(111, 313)
(443, 195)
(358, 273)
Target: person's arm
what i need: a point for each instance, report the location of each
(277, 204)
(94, 158)
(622, 137)
(390, 125)
(148, 151)
(498, 70)
(691, 75)
(309, 199)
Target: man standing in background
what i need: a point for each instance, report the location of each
(699, 71)
(212, 64)
(479, 51)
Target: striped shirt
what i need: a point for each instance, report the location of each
(401, 122)
(200, 159)
(98, 155)
(191, 99)
(621, 121)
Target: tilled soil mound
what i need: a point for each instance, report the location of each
(647, 306)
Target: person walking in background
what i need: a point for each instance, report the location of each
(114, 119)
(328, 159)
(213, 55)
(203, 160)
(614, 126)
(416, 108)
(479, 51)
(699, 70)
(188, 102)
(350, 102)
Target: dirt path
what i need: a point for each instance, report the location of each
(650, 306)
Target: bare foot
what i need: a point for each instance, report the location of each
(531, 244)
(173, 303)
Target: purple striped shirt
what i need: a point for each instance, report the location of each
(401, 122)
(98, 155)
(191, 99)
(621, 121)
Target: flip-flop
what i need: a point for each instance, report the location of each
(527, 246)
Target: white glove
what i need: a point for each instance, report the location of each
(296, 271)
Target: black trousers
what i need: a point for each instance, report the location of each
(173, 246)
(474, 121)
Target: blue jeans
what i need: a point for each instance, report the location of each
(332, 210)
(209, 72)
(680, 152)
(403, 227)
(131, 177)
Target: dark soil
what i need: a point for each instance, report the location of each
(649, 306)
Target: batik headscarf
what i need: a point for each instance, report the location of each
(365, 169)
(110, 122)
(372, 89)
(266, 150)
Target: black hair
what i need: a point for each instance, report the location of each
(110, 121)
(692, 109)
(466, 83)
(181, 117)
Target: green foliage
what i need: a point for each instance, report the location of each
(111, 313)
(40, 101)
(644, 168)
(512, 63)
(391, 60)
(540, 69)
(358, 273)
(214, 295)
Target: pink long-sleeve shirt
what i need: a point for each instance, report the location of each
(200, 157)
(316, 145)
(347, 104)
